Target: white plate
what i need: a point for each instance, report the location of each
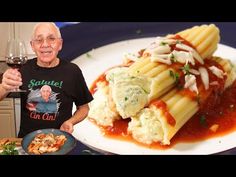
(96, 62)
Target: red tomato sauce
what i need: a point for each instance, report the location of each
(162, 105)
(216, 108)
(223, 114)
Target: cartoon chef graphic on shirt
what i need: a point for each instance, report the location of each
(43, 100)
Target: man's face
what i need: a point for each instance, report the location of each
(45, 93)
(46, 43)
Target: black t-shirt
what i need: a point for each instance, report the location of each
(65, 85)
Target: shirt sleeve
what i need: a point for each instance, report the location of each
(83, 95)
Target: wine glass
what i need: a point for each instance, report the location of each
(16, 56)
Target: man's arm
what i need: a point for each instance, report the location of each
(79, 115)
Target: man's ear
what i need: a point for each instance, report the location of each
(61, 44)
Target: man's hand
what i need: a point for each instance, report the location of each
(67, 126)
(11, 80)
(79, 115)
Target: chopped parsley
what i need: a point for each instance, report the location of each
(172, 58)
(10, 149)
(88, 55)
(145, 91)
(178, 42)
(163, 43)
(175, 76)
(126, 98)
(186, 69)
(203, 121)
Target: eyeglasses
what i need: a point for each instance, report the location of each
(49, 40)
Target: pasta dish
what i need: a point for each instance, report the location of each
(44, 143)
(156, 91)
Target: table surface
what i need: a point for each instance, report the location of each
(80, 148)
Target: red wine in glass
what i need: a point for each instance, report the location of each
(16, 62)
(16, 56)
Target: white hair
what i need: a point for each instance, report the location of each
(46, 23)
(46, 86)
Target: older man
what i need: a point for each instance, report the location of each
(65, 80)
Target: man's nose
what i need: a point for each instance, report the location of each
(45, 43)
